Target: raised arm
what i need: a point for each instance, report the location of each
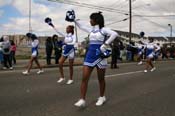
(82, 27)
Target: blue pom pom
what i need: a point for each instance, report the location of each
(49, 21)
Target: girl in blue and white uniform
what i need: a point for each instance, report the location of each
(34, 55)
(150, 49)
(96, 41)
(140, 50)
(68, 52)
(157, 52)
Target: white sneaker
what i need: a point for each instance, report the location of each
(80, 103)
(40, 71)
(153, 69)
(4, 68)
(140, 63)
(101, 101)
(60, 80)
(145, 71)
(25, 72)
(11, 68)
(69, 82)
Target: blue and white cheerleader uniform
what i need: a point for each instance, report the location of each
(140, 49)
(96, 39)
(157, 50)
(68, 47)
(35, 45)
(150, 47)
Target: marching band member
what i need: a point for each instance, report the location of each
(91, 61)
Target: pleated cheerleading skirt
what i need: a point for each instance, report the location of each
(69, 51)
(92, 59)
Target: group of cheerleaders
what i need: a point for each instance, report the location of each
(96, 33)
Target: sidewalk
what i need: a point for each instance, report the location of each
(22, 64)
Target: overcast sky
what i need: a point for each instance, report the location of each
(150, 16)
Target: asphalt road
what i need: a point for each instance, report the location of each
(129, 92)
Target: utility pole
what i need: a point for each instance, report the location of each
(30, 27)
(171, 29)
(130, 20)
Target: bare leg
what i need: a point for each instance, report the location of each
(84, 84)
(71, 61)
(61, 61)
(147, 63)
(30, 64)
(101, 80)
(150, 63)
(37, 62)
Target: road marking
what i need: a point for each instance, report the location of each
(127, 73)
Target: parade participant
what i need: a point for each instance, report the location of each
(96, 42)
(140, 51)
(157, 52)
(68, 52)
(34, 55)
(150, 48)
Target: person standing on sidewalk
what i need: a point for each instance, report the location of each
(13, 51)
(34, 56)
(57, 48)
(68, 52)
(49, 48)
(96, 42)
(6, 53)
(1, 54)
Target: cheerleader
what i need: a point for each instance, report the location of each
(96, 42)
(68, 52)
(34, 55)
(157, 52)
(140, 50)
(150, 49)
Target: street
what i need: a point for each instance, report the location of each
(129, 92)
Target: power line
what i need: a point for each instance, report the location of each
(118, 21)
(155, 15)
(91, 6)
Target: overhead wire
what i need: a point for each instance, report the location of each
(114, 10)
(92, 6)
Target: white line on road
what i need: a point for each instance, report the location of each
(120, 74)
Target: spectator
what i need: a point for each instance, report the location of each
(1, 54)
(49, 48)
(13, 51)
(6, 53)
(57, 48)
